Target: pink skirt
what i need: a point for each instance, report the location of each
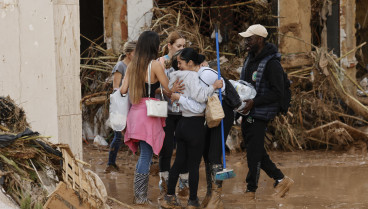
(140, 127)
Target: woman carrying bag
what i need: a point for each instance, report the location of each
(190, 131)
(213, 147)
(118, 75)
(142, 131)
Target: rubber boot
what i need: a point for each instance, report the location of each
(209, 185)
(183, 185)
(215, 201)
(141, 188)
(164, 179)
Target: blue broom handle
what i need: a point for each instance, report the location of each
(220, 95)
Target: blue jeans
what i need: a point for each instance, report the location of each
(114, 147)
(145, 158)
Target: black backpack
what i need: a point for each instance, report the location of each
(286, 100)
(231, 97)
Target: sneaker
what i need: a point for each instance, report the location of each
(283, 186)
(110, 168)
(193, 204)
(170, 201)
(250, 196)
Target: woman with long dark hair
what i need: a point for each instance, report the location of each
(190, 131)
(143, 132)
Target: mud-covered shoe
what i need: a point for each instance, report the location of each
(138, 202)
(162, 184)
(183, 191)
(250, 196)
(169, 202)
(183, 187)
(282, 187)
(193, 204)
(110, 168)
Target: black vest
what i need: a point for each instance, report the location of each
(267, 111)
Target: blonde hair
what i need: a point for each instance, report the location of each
(128, 47)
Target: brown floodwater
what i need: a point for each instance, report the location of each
(323, 179)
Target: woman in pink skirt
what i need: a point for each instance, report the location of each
(143, 132)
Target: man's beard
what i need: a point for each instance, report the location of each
(254, 48)
(251, 49)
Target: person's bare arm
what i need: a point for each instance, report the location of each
(124, 86)
(157, 69)
(116, 80)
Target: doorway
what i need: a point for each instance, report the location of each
(91, 22)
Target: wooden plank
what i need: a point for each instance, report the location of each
(354, 133)
(65, 198)
(96, 100)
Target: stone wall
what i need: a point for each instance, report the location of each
(39, 65)
(294, 24)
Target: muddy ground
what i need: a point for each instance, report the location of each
(323, 179)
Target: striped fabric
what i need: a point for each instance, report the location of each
(141, 188)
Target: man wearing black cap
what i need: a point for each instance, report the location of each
(263, 70)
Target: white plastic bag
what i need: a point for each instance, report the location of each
(119, 108)
(245, 91)
(99, 140)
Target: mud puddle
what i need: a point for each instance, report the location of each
(322, 180)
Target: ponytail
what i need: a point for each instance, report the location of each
(188, 54)
(121, 57)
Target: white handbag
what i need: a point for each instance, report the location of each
(118, 111)
(155, 108)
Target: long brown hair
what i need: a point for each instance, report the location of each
(145, 51)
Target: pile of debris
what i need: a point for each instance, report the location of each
(38, 174)
(12, 118)
(324, 114)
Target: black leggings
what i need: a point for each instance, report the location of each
(213, 146)
(168, 146)
(190, 137)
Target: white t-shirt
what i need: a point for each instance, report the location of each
(208, 76)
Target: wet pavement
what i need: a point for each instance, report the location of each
(323, 179)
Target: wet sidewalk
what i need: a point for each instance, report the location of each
(322, 180)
